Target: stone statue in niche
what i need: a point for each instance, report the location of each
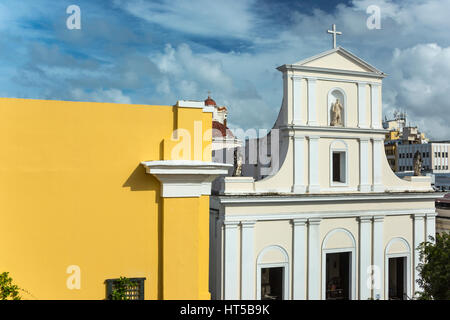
(336, 114)
(237, 163)
(417, 163)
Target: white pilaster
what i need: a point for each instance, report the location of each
(419, 236)
(313, 259)
(375, 106)
(248, 264)
(378, 257)
(362, 122)
(312, 117)
(299, 259)
(365, 253)
(378, 152)
(296, 101)
(431, 226)
(299, 164)
(364, 165)
(230, 282)
(313, 164)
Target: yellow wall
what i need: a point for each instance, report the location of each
(73, 192)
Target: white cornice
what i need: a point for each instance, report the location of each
(240, 199)
(195, 105)
(185, 178)
(335, 129)
(376, 215)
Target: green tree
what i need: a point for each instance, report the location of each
(434, 268)
(8, 290)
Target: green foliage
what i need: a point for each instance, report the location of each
(434, 268)
(120, 288)
(8, 290)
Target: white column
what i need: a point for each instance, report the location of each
(313, 164)
(378, 257)
(299, 259)
(419, 235)
(299, 164)
(362, 122)
(296, 101)
(312, 117)
(248, 264)
(364, 165)
(431, 226)
(313, 259)
(375, 106)
(230, 283)
(378, 153)
(365, 254)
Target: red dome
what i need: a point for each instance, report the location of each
(210, 102)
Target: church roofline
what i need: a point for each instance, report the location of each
(374, 72)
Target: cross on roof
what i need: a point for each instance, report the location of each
(334, 32)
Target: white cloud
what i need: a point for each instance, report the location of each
(420, 78)
(231, 18)
(101, 95)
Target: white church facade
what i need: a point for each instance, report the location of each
(332, 221)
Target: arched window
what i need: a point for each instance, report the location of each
(339, 265)
(273, 274)
(397, 285)
(338, 163)
(334, 95)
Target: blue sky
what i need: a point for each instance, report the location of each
(157, 52)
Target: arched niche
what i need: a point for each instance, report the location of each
(273, 257)
(398, 248)
(333, 94)
(340, 240)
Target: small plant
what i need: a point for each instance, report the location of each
(8, 290)
(120, 287)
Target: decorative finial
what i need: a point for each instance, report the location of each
(334, 33)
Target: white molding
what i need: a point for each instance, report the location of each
(248, 260)
(230, 267)
(365, 254)
(325, 198)
(377, 154)
(195, 105)
(430, 226)
(299, 164)
(378, 132)
(364, 185)
(378, 256)
(375, 105)
(313, 259)
(312, 96)
(284, 264)
(324, 215)
(297, 102)
(185, 178)
(299, 259)
(335, 71)
(320, 78)
(362, 105)
(313, 185)
(407, 255)
(352, 250)
(419, 236)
